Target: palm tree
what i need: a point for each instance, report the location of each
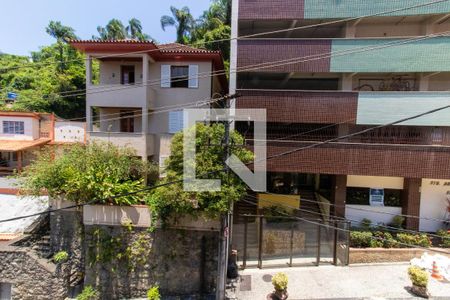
(114, 30)
(183, 22)
(134, 30)
(62, 34)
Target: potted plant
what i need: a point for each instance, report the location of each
(280, 282)
(419, 279)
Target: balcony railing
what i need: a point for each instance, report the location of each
(142, 143)
(325, 9)
(120, 95)
(349, 55)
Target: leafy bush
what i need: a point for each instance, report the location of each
(275, 214)
(60, 257)
(82, 173)
(280, 281)
(418, 276)
(89, 293)
(397, 222)
(366, 224)
(153, 293)
(172, 200)
(445, 238)
(360, 239)
(413, 240)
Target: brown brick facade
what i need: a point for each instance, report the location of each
(354, 159)
(411, 202)
(271, 9)
(302, 107)
(284, 55)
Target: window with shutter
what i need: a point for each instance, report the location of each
(165, 76)
(175, 121)
(193, 76)
(180, 76)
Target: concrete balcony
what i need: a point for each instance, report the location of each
(410, 161)
(142, 143)
(362, 108)
(374, 55)
(119, 95)
(325, 9)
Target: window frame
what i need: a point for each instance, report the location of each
(182, 81)
(13, 127)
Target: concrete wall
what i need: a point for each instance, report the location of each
(110, 71)
(377, 214)
(433, 204)
(70, 132)
(109, 119)
(375, 182)
(31, 127)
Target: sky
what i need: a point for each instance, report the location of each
(23, 22)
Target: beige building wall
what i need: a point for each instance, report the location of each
(31, 128)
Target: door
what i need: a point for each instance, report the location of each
(126, 121)
(127, 75)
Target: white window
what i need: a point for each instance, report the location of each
(179, 76)
(13, 127)
(175, 121)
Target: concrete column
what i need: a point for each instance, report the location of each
(145, 130)
(350, 29)
(89, 121)
(339, 194)
(88, 70)
(347, 82)
(424, 83)
(411, 201)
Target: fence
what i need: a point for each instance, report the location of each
(264, 241)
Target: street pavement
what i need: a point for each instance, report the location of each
(374, 282)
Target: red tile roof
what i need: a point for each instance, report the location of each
(180, 48)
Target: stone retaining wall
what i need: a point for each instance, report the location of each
(31, 278)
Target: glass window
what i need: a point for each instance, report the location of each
(13, 127)
(179, 76)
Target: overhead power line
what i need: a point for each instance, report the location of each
(199, 43)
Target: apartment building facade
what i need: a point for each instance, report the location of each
(348, 69)
(137, 97)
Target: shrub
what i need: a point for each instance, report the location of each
(88, 293)
(360, 239)
(445, 238)
(418, 276)
(413, 240)
(83, 173)
(153, 293)
(397, 222)
(60, 257)
(366, 224)
(280, 281)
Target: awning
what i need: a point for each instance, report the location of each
(14, 146)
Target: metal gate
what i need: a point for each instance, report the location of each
(264, 241)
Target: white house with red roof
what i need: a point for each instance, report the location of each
(137, 97)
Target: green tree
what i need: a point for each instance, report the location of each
(134, 30)
(172, 200)
(93, 173)
(115, 30)
(62, 34)
(182, 20)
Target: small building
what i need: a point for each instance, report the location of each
(22, 133)
(138, 96)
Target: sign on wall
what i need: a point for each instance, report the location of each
(376, 197)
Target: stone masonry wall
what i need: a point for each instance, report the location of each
(180, 262)
(31, 278)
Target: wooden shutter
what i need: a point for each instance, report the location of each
(193, 76)
(165, 76)
(175, 121)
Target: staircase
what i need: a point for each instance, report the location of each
(43, 247)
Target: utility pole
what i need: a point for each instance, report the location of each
(226, 219)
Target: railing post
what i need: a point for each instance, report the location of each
(347, 229)
(335, 248)
(292, 245)
(244, 259)
(260, 242)
(318, 245)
